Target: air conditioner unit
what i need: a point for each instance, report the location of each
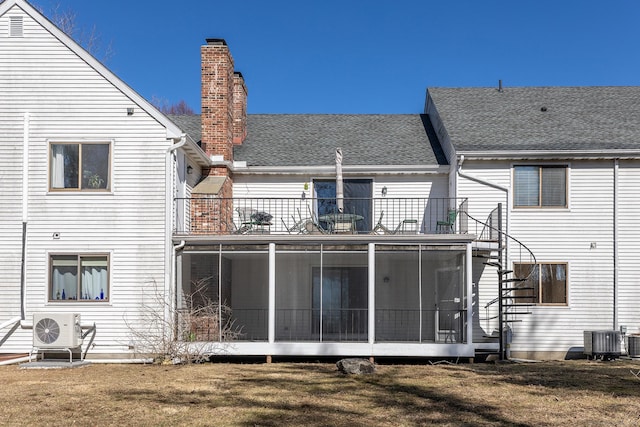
(603, 344)
(633, 346)
(57, 330)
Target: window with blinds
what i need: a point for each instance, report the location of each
(540, 186)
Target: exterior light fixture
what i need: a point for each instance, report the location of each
(384, 191)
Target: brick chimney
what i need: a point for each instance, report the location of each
(223, 117)
(239, 108)
(217, 99)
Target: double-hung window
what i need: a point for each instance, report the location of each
(79, 277)
(546, 283)
(540, 186)
(80, 166)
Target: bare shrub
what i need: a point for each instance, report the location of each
(197, 330)
(89, 38)
(179, 108)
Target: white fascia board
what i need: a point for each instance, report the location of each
(173, 132)
(550, 154)
(354, 170)
(195, 153)
(8, 4)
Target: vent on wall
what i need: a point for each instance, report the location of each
(15, 26)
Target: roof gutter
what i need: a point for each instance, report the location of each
(238, 168)
(552, 155)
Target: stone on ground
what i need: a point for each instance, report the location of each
(355, 366)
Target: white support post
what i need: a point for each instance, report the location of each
(272, 293)
(469, 296)
(372, 293)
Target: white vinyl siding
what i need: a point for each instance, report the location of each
(628, 245)
(68, 100)
(563, 234)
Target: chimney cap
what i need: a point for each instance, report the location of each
(219, 42)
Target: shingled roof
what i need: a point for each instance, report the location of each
(540, 118)
(311, 139)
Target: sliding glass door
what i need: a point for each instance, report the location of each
(357, 200)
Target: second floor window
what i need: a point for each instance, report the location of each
(540, 186)
(80, 166)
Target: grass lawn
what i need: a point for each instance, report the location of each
(576, 393)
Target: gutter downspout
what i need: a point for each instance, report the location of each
(506, 246)
(616, 164)
(25, 213)
(170, 251)
(492, 185)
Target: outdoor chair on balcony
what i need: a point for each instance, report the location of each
(448, 225)
(304, 226)
(406, 226)
(307, 225)
(253, 221)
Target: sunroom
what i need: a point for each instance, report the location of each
(331, 295)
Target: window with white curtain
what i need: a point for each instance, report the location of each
(79, 278)
(540, 186)
(80, 166)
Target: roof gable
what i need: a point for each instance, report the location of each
(5, 7)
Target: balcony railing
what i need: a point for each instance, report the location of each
(384, 215)
(401, 325)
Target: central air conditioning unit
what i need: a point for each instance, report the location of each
(633, 346)
(603, 344)
(57, 330)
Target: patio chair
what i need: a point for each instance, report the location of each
(447, 226)
(303, 225)
(253, 221)
(380, 228)
(244, 216)
(406, 226)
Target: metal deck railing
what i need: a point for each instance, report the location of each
(384, 215)
(346, 325)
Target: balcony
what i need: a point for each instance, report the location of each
(303, 216)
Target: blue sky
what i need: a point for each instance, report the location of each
(347, 56)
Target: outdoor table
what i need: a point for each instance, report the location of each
(335, 218)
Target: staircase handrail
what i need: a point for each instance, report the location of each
(507, 236)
